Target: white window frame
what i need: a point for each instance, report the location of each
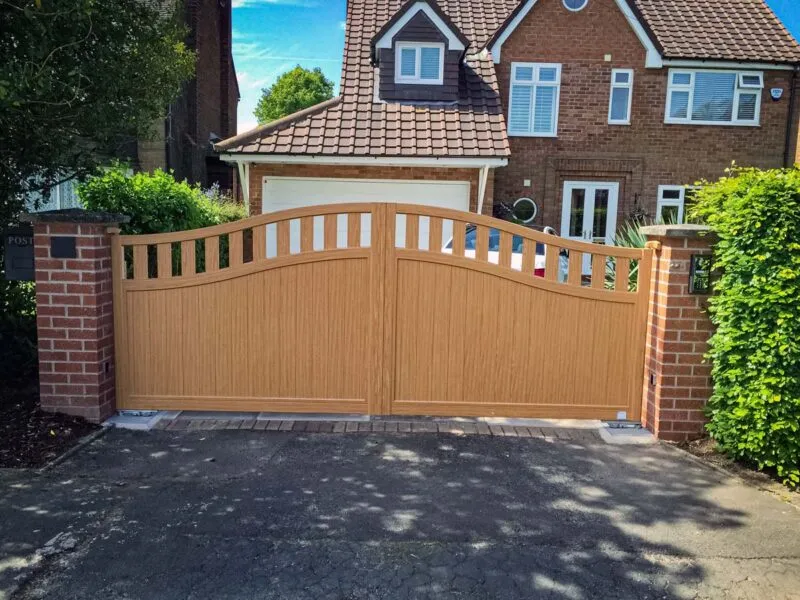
(680, 202)
(534, 84)
(739, 89)
(629, 87)
(417, 47)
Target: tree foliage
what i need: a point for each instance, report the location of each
(79, 80)
(295, 90)
(155, 202)
(755, 406)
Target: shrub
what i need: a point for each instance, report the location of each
(755, 407)
(18, 353)
(155, 202)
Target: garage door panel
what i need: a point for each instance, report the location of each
(284, 193)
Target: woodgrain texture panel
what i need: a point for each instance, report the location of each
(379, 329)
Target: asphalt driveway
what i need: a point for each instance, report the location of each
(256, 514)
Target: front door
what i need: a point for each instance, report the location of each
(589, 213)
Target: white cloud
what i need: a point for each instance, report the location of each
(342, 25)
(251, 3)
(246, 51)
(247, 125)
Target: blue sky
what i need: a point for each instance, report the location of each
(272, 36)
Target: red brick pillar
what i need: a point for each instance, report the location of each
(74, 311)
(677, 377)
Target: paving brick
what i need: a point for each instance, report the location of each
(496, 430)
(404, 427)
(339, 427)
(352, 426)
(273, 425)
(260, 425)
(286, 426)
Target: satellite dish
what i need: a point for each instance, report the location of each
(524, 210)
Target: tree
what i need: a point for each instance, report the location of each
(79, 80)
(295, 90)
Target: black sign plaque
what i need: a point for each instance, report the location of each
(18, 253)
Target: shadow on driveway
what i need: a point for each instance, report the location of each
(232, 514)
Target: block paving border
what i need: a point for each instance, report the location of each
(379, 426)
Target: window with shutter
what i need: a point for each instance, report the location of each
(533, 105)
(706, 97)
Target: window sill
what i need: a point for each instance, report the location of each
(541, 135)
(418, 81)
(619, 122)
(710, 123)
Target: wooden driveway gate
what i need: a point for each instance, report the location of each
(361, 308)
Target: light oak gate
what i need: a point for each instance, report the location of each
(360, 308)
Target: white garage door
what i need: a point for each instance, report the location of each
(282, 193)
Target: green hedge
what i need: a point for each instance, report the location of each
(155, 202)
(755, 407)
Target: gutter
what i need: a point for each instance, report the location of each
(788, 161)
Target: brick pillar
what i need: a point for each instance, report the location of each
(74, 311)
(677, 378)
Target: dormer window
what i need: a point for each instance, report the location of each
(419, 63)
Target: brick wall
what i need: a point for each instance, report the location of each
(259, 171)
(677, 378)
(75, 322)
(641, 156)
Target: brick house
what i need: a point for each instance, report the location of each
(204, 112)
(596, 110)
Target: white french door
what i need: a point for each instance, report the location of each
(589, 213)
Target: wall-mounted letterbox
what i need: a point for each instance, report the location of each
(18, 253)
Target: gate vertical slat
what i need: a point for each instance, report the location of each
(528, 257)
(259, 242)
(141, 266)
(504, 258)
(188, 263)
(236, 250)
(306, 234)
(622, 273)
(482, 243)
(575, 267)
(212, 254)
(435, 234)
(330, 231)
(459, 232)
(552, 262)
(598, 271)
(412, 232)
(164, 255)
(283, 238)
(353, 230)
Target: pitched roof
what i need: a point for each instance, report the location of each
(408, 6)
(740, 30)
(355, 125)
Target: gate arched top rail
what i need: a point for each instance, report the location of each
(519, 230)
(204, 253)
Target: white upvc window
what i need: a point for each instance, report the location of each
(533, 99)
(714, 97)
(419, 63)
(621, 97)
(672, 202)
